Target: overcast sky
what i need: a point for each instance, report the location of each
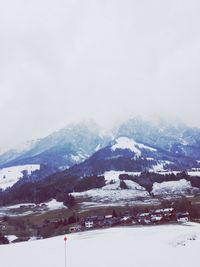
(65, 60)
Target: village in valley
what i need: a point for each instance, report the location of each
(43, 223)
(158, 216)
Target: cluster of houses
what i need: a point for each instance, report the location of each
(158, 216)
(162, 216)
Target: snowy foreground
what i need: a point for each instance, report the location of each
(171, 245)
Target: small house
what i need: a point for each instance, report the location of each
(182, 217)
(89, 224)
(108, 216)
(144, 218)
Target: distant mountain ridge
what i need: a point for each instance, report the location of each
(78, 142)
(176, 138)
(124, 156)
(61, 149)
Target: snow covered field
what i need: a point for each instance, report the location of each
(112, 193)
(173, 187)
(23, 209)
(9, 176)
(166, 246)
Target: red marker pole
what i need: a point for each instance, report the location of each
(65, 239)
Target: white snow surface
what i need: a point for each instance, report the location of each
(172, 187)
(150, 159)
(78, 157)
(113, 192)
(23, 209)
(9, 176)
(127, 143)
(11, 238)
(166, 245)
(98, 147)
(160, 166)
(194, 173)
(54, 205)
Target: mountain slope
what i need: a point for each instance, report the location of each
(174, 137)
(61, 149)
(82, 151)
(125, 154)
(77, 142)
(134, 163)
(10, 176)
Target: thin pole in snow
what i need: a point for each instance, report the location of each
(65, 239)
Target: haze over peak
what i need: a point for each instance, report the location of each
(106, 60)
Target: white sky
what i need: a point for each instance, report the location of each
(65, 60)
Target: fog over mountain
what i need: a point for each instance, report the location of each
(63, 61)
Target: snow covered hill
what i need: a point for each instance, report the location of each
(167, 245)
(112, 191)
(174, 187)
(24, 209)
(90, 154)
(10, 176)
(132, 145)
(113, 194)
(125, 154)
(172, 136)
(118, 192)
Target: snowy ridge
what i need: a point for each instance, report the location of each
(19, 148)
(127, 143)
(9, 176)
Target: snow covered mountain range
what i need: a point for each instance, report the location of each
(77, 158)
(61, 149)
(77, 142)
